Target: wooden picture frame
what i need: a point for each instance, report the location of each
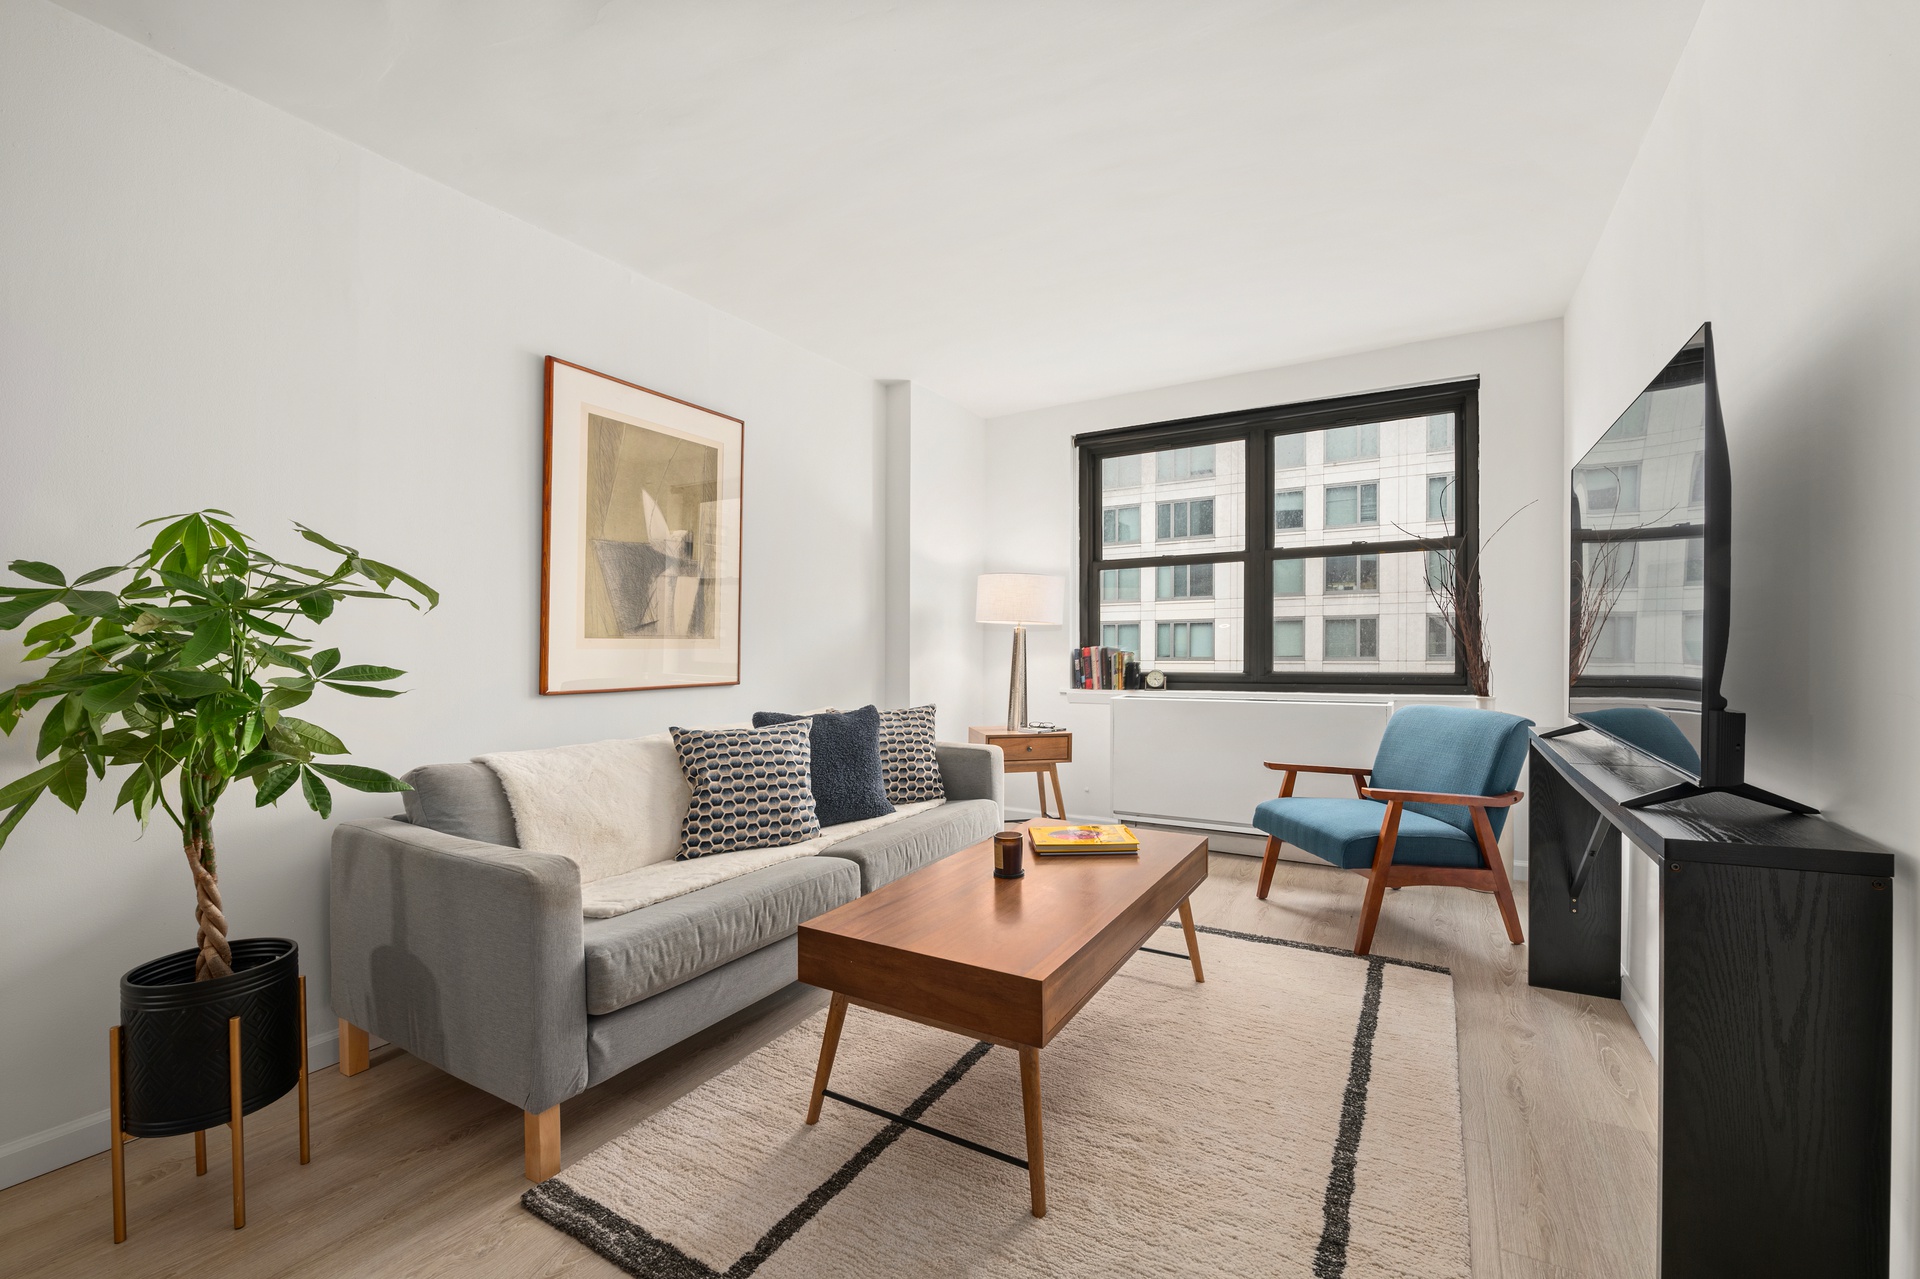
(640, 546)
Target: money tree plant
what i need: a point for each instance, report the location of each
(169, 674)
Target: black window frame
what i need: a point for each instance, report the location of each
(1255, 430)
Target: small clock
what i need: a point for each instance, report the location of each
(1155, 679)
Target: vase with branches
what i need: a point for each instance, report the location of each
(185, 663)
(1454, 586)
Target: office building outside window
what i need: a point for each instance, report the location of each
(1290, 547)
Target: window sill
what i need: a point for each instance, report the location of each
(1097, 696)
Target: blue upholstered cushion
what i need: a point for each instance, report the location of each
(1346, 831)
(1459, 750)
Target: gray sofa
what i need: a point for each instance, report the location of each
(451, 941)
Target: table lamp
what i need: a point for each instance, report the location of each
(1019, 600)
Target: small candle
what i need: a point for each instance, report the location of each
(1009, 855)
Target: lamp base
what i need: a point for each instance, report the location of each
(1017, 686)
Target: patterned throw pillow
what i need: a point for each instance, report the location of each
(751, 788)
(906, 756)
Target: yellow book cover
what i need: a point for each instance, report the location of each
(1082, 839)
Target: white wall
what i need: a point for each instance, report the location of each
(1033, 486)
(947, 535)
(204, 301)
(1775, 196)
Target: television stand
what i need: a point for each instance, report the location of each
(1688, 790)
(1774, 1005)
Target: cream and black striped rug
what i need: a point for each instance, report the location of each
(1299, 1114)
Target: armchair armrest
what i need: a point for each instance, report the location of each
(972, 771)
(1292, 771)
(1318, 768)
(1435, 797)
(468, 955)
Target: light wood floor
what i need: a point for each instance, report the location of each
(417, 1174)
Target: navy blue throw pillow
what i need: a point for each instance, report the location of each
(848, 784)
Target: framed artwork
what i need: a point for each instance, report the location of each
(640, 554)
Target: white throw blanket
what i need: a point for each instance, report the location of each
(605, 898)
(610, 807)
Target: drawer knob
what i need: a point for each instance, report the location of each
(1029, 748)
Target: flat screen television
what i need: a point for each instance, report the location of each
(1651, 584)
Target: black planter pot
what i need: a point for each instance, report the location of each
(173, 1037)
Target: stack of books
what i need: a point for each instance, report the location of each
(1100, 667)
(1070, 841)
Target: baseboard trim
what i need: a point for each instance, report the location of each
(25, 1158)
(1640, 1012)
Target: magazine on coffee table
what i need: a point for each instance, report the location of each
(1081, 840)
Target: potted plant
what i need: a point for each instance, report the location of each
(188, 671)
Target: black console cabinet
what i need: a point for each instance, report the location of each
(1776, 1007)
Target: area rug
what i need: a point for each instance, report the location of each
(1298, 1114)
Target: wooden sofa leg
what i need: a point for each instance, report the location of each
(353, 1048)
(1267, 864)
(543, 1143)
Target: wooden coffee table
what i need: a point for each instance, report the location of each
(1009, 961)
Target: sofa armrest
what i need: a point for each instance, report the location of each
(971, 771)
(467, 955)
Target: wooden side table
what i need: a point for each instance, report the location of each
(1033, 751)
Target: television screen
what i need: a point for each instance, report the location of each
(1643, 599)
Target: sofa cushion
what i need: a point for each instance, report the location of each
(848, 785)
(907, 756)
(902, 847)
(1347, 831)
(463, 800)
(751, 787)
(643, 952)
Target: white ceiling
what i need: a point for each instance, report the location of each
(1014, 202)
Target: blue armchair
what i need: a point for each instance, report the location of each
(1429, 811)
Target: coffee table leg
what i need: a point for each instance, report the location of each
(836, 1016)
(1036, 1155)
(1193, 940)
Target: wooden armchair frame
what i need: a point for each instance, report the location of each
(1489, 877)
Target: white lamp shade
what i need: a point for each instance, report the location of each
(1021, 599)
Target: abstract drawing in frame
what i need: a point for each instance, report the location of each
(640, 563)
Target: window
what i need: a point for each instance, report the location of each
(1183, 464)
(1184, 641)
(1353, 443)
(1183, 519)
(1183, 581)
(1351, 504)
(1693, 638)
(1695, 571)
(1613, 566)
(1257, 538)
(1614, 643)
(1352, 573)
(1121, 635)
(1611, 488)
(1439, 639)
(1697, 486)
(1353, 638)
(1289, 638)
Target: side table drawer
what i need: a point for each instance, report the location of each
(1048, 748)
